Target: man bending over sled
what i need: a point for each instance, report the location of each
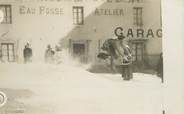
(120, 55)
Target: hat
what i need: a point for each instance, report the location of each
(48, 46)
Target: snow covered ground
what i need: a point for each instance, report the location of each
(70, 89)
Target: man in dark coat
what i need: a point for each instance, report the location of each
(120, 55)
(27, 54)
(49, 55)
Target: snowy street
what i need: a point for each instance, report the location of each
(62, 89)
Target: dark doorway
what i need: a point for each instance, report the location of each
(79, 51)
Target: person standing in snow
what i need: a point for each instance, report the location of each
(124, 57)
(160, 67)
(49, 55)
(58, 54)
(120, 55)
(27, 53)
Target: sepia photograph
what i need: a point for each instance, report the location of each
(81, 57)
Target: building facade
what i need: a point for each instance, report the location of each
(81, 26)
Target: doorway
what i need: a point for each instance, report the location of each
(79, 51)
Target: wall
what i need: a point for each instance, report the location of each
(41, 29)
(101, 27)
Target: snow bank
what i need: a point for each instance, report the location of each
(68, 88)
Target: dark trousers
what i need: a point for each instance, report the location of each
(127, 73)
(27, 60)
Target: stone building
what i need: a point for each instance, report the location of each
(81, 26)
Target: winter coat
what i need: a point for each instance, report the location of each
(119, 52)
(27, 54)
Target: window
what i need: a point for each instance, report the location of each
(78, 15)
(7, 52)
(7, 14)
(138, 51)
(138, 21)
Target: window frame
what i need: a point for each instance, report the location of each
(136, 48)
(138, 16)
(7, 45)
(7, 18)
(79, 19)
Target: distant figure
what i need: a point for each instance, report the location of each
(160, 67)
(27, 53)
(49, 55)
(1, 56)
(58, 55)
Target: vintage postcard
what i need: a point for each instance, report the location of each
(81, 57)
